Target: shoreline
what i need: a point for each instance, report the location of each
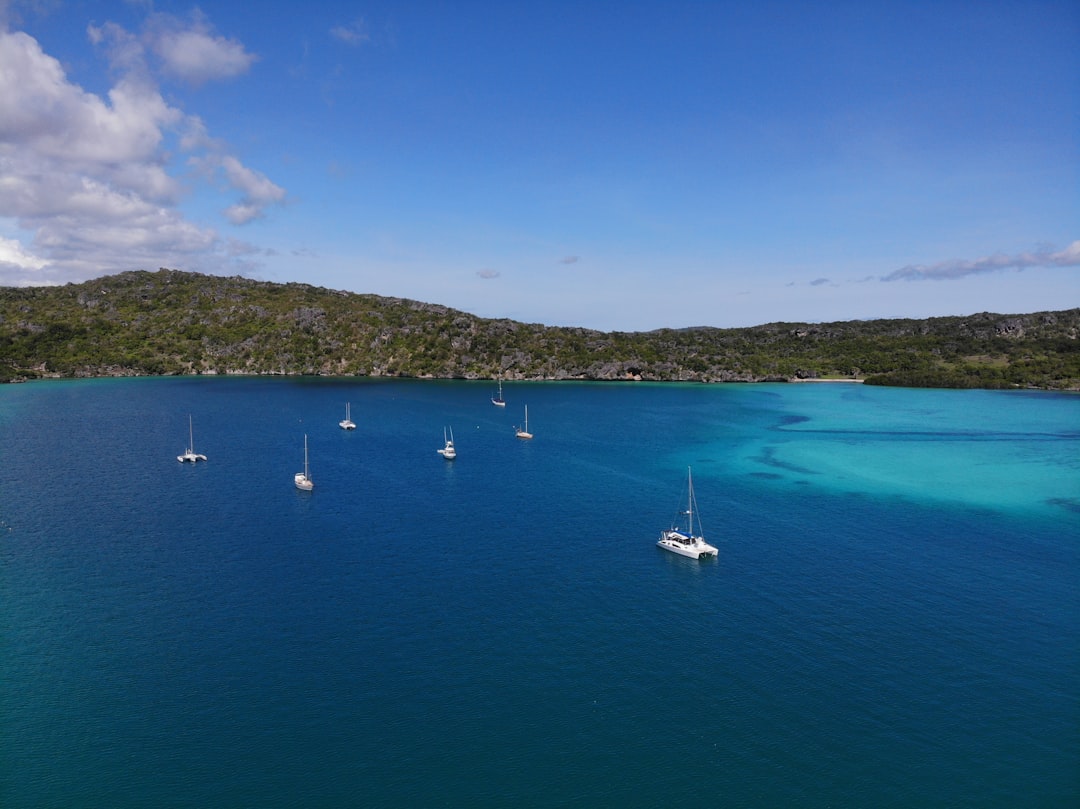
(852, 380)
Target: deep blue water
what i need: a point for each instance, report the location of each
(893, 621)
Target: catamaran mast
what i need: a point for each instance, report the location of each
(690, 500)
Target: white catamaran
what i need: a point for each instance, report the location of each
(347, 424)
(190, 454)
(448, 450)
(523, 432)
(687, 543)
(303, 479)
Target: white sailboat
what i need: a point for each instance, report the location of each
(687, 543)
(523, 432)
(347, 424)
(497, 399)
(303, 479)
(190, 454)
(448, 450)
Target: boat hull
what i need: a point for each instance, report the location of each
(303, 482)
(692, 547)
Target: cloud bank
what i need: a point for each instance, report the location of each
(93, 182)
(957, 268)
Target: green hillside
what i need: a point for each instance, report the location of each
(171, 322)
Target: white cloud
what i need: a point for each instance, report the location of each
(93, 177)
(41, 112)
(353, 34)
(258, 191)
(190, 51)
(13, 254)
(1069, 257)
(197, 57)
(960, 268)
(194, 136)
(125, 51)
(242, 213)
(256, 186)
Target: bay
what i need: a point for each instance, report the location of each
(893, 620)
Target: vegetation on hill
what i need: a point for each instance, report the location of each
(172, 322)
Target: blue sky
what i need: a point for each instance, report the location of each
(615, 165)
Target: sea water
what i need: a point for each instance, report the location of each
(893, 619)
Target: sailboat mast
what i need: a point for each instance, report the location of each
(690, 501)
(191, 434)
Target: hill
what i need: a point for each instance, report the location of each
(172, 322)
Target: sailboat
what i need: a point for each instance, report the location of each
(448, 450)
(189, 453)
(687, 543)
(497, 399)
(523, 432)
(303, 479)
(347, 424)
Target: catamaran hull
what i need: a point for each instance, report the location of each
(693, 553)
(678, 543)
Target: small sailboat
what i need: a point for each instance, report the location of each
(190, 454)
(687, 543)
(523, 432)
(303, 479)
(347, 424)
(497, 399)
(448, 450)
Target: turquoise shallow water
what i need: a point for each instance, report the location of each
(893, 619)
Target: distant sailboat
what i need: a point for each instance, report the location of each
(189, 453)
(347, 424)
(448, 450)
(497, 399)
(523, 432)
(303, 479)
(687, 543)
